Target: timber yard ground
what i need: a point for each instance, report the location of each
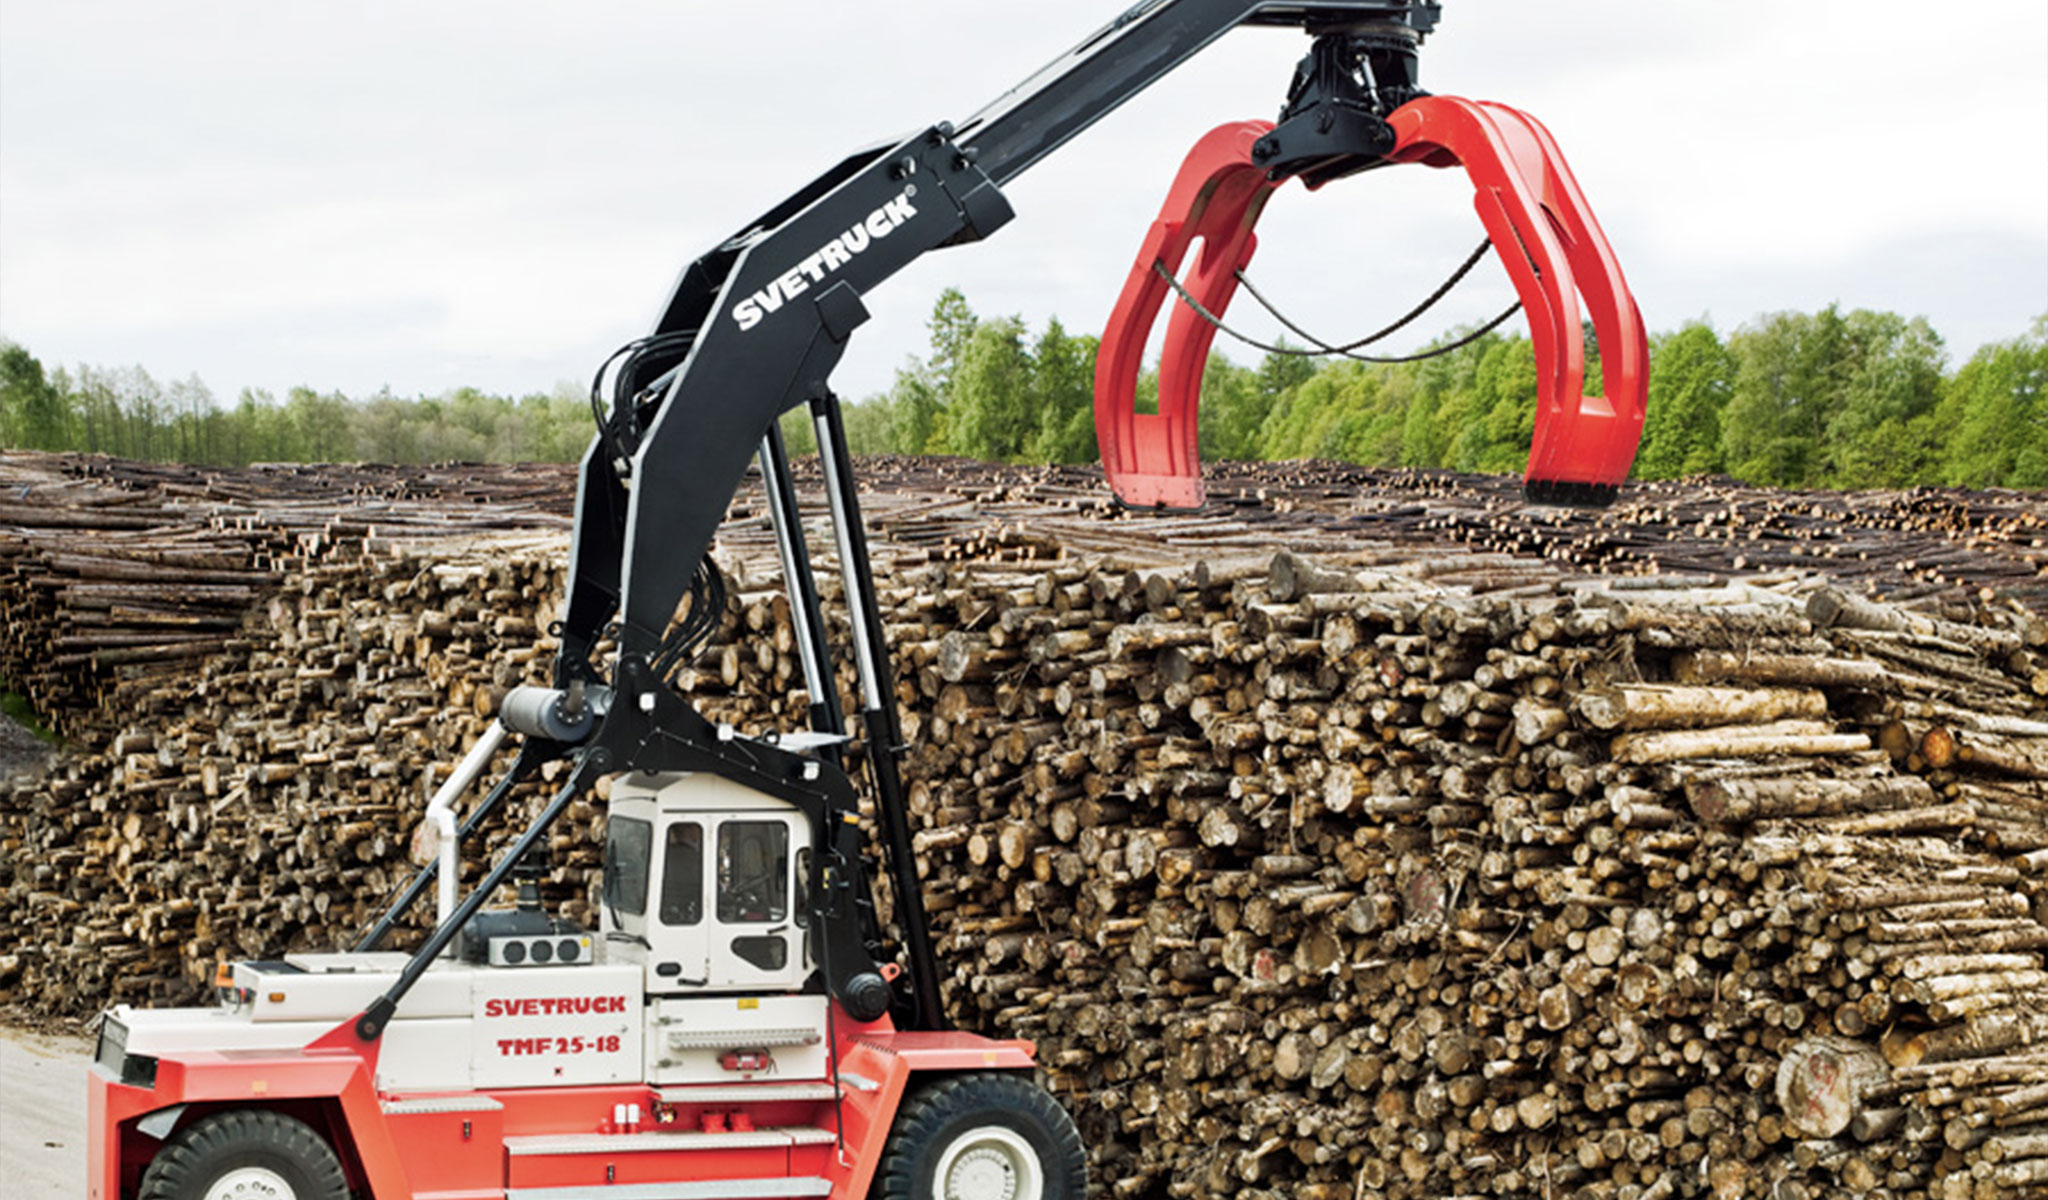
(42, 1113)
(42, 1074)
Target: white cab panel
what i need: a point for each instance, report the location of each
(556, 1026)
(333, 987)
(687, 1040)
(719, 904)
(430, 1054)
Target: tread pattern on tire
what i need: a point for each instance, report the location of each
(190, 1160)
(924, 1116)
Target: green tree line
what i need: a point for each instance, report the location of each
(128, 413)
(1825, 399)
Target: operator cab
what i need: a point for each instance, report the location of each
(704, 885)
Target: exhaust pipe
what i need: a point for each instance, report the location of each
(441, 813)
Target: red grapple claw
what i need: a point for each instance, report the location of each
(1152, 460)
(1539, 224)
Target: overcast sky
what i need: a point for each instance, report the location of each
(424, 194)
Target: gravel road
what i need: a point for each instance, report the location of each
(42, 1114)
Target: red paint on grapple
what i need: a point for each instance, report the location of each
(1539, 224)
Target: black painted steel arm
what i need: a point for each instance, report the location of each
(1134, 52)
(768, 311)
(754, 328)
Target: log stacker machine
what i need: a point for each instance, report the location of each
(737, 1026)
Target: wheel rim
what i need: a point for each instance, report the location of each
(990, 1163)
(251, 1183)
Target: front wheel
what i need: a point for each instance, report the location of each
(982, 1137)
(248, 1154)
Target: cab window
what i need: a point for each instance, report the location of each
(753, 871)
(627, 843)
(682, 874)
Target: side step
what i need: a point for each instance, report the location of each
(733, 1039)
(671, 1164)
(743, 1093)
(432, 1105)
(773, 1137)
(702, 1189)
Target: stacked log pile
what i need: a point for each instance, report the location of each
(110, 569)
(1366, 873)
(104, 582)
(115, 572)
(1316, 882)
(265, 800)
(1947, 546)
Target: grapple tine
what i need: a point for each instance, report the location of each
(1507, 170)
(1153, 460)
(1611, 425)
(1227, 246)
(1557, 255)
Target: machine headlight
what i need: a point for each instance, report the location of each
(113, 1045)
(135, 1070)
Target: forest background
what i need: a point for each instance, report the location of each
(1828, 399)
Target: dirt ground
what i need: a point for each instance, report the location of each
(42, 1114)
(42, 1073)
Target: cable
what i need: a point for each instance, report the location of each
(1325, 349)
(597, 407)
(622, 425)
(700, 620)
(1456, 278)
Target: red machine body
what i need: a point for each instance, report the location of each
(473, 1144)
(1540, 225)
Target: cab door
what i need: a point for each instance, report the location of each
(757, 937)
(679, 929)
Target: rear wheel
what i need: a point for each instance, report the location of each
(249, 1154)
(982, 1137)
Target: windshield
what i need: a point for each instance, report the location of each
(627, 843)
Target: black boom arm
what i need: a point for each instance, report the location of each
(755, 327)
(764, 317)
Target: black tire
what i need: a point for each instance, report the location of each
(982, 1137)
(273, 1156)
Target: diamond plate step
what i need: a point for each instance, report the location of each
(743, 1093)
(668, 1140)
(700, 1189)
